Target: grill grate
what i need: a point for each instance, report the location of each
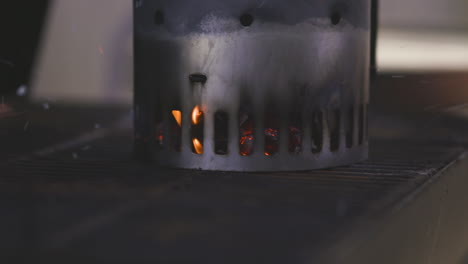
(92, 199)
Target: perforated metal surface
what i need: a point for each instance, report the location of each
(270, 79)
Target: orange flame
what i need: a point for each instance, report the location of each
(198, 146)
(196, 115)
(177, 116)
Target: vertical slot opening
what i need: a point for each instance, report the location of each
(334, 117)
(317, 131)
(197, 130)
(246, 132)
(175, 124)
(361, 124)
(350, 128)
(159, 126)
(159, 17)
(272, 130)
(221, 133)
(295, 132)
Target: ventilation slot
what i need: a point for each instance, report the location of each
(246, 133)
(272, 128)
(175, 124)
(159, 126)
(221, 133)
(317, 131)
(159, 17)
(334, 117)
(197, 129)
(350, 128)
(295, 133)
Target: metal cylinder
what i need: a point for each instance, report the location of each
(252, 85)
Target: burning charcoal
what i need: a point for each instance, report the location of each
(272, 127)
(247, 104)
(271, 141)
(246, 134)
(246, 145)
(272, 134)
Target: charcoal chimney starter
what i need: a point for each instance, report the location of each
(251, 85)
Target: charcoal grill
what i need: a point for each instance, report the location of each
(252, 85)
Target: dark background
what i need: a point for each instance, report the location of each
(20, 27)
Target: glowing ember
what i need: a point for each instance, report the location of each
(271, 141)
(198, 146)
(272, 134)
(159, 133)
(246, 140)
(177, 116)
(197, 115)
(246, 145)
(159, 136)
(197, 130)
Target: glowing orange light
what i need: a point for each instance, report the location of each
(177, 116)
(267, 154)
(197, 115)
(198, 146)
(246, 135)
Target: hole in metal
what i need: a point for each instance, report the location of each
(159, 123)
(197, 130)
(159, 17)
(272, 131)
(176, 129)
(335, 18)
(350, 128)
(221, 133)
(246, 20)
(317, 131)
(334, 117)
(295, 133)
(246, 133)
(198, 78)
(159, 133)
